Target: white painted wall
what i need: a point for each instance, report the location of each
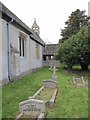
(34, 62)
(0, 49)
(14, 34)
(23, 64)
(24, 61)
(4, 51)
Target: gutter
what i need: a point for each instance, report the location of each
(9, 50)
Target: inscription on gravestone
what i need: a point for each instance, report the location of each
(32, 106)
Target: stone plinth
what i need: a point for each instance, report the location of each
(54, 77)
(50, 83)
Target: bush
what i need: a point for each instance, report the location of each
(76, 50)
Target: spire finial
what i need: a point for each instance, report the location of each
(35, 27)
(34, 19)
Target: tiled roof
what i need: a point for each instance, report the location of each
(37, 38)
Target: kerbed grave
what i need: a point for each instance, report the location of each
(78, 82)
(35, 106)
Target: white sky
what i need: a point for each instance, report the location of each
(50, 14)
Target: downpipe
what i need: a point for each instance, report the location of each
(9, 50)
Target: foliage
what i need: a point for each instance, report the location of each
(76, 20)
(76, 49)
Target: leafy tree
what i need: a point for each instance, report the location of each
(76, 20)
(76, 50)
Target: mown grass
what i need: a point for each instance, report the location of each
(70, 102)
(0, 102)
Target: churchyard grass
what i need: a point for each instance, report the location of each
(70, 102)
(0, 102)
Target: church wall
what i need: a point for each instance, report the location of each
(4, 53)
(24, 61)
(0, 49)
(19, 65)
(35, 62)
(14, 40)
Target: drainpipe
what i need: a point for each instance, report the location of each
(9, 50)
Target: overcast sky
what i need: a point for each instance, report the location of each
(50, 14)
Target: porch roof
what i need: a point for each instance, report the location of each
(50, 49)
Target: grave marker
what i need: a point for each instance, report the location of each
(32, 107)
(54, 77)
(79, 81)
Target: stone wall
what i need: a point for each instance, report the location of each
(49, 63)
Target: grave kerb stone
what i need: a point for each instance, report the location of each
(37, 93)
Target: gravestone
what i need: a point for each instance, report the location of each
(54, 76)
(32, 107)
(79, 81)
(52, 64)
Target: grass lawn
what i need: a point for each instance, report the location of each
(70, 102)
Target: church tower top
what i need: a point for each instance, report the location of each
(35, 27)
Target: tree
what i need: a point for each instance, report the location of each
(76, 20)
(76, 50)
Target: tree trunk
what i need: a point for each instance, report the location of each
(84, 66)
(69, 67)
